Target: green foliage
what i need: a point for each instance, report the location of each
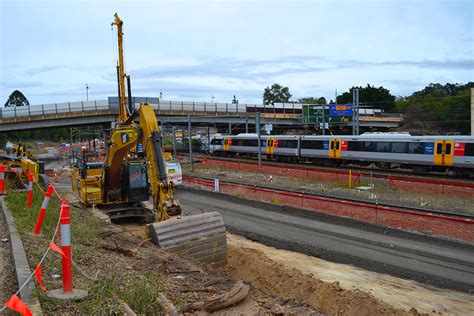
(136, 288)
(438, 108)
(54, 134)
(276, 94)
(313, 100)
(196, 144)
(16, 99)
(380, 97)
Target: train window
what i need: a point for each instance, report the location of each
(415, 148)
(337, 144)
(369, 146)
(353, 146)
(400, 148)
(312, 144)
(216, 141)
(245, 142)
(469, 149)
(332, 145)
(439, 148)
(382, 147)
(448, 149)
(287, 143)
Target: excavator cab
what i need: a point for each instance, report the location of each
(135, 187)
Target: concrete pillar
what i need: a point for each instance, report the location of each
(472, 111)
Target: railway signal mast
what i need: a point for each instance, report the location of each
(355, 112)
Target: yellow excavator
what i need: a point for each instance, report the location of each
(19, 156)
(133, 184)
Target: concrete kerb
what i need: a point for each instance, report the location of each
(20, 262)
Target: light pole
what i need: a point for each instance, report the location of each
(212, 98)
(87, 92)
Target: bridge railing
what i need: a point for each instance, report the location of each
(54, 108)
(209, 107)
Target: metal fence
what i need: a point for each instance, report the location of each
(113, 104)
(54, 108)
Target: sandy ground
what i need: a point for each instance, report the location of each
(400, 293)
(380, 193)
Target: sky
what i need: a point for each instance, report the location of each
(197, 50)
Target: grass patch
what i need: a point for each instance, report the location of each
(138, 289)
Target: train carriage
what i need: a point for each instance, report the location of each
(386, 150)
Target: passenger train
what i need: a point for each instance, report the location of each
(421, 154)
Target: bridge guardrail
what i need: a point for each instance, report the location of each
(112, 104)
(54, 108)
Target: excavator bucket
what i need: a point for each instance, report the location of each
(200, 237)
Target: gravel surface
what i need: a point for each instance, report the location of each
(428, 260)
(380, 192)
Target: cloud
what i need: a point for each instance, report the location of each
(42, 69)
(199, 78)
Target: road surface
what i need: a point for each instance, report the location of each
(428, 260)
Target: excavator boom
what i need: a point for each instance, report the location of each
(127, 178)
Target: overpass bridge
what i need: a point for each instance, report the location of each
(95, 112)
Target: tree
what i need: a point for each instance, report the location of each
(380, 97)
(235, 100)
(276, 94)
(313, 100)
(437, 109)
(16, 99)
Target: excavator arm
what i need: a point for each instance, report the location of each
(161, 189)
(201, 237)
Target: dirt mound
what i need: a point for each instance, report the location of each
(275, 279)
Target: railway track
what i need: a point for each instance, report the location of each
(432, 185)
(366, 171)
(424, 221)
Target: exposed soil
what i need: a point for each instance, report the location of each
(276, 279)
(380, 192)
(121, 266)
(336, 288)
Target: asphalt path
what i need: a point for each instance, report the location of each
(433, 261)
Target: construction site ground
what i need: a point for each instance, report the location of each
(115, 264)
(381, 192)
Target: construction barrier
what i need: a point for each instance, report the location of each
(66, 248)
(2, 179)
(44, 206)
(31, 179)
(63, 225)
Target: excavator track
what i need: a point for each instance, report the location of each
(199, 237)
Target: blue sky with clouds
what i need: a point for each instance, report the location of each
(194, 49)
